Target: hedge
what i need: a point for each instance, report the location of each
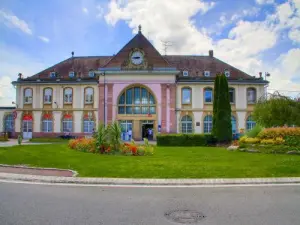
(185, 140)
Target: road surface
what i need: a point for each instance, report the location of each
(34, 204)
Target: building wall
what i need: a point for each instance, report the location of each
(199, 109)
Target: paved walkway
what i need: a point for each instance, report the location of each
(14, 142)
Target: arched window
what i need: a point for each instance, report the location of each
(68, 95)
(250, 123)
(186, 125)
(208, 95)
(47, 123)
(186, 97)
(251, 95)
(136, 100)
(232, 95)
(207, 124)
(88, 123)
(233, 123)
(67, 123)
(28, 96)
(9, 123)
(89, 95)
(48, 95)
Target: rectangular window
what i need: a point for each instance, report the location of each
(88, 126)
(251, 96)
(129, 96)
(137, 98)
(208, 96)
(67, 125)
(207, 127)
(47, 126)
(231, 96)
(186, 128)
(186, 96)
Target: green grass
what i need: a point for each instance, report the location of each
(48, 140)
(167, 162)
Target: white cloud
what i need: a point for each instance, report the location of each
(243, 47)
(85, 10)
(44, 39)
(294, 35)
(262, 2)
(11, 20)
(7, 91)
(13, 62)
(100, 11)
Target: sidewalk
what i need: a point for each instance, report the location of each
(14, 142)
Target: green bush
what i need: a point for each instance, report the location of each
(292, 141)
(185, 140)
(254, 132)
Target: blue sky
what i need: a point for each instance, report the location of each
(253, 35)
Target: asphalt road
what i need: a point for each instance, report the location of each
(32, 204)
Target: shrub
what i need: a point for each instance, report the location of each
(185, 140)
(83, 144)
(254, 132)
(292, 141)
(272, 133)
(249, 140)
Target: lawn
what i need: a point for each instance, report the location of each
(167, 162)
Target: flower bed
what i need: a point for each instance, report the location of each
(273, 140)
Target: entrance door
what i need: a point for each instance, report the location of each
(147, 129)
(27, 129)
(126, 128)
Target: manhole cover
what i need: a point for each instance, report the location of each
(184, 216)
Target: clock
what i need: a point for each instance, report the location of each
(137, 57)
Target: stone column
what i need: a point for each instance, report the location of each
(109, 103)
(163, 108)
(172, 109)
(77, 122)
(241, 120)
(57, 121)
(101, 103)
(37, 121)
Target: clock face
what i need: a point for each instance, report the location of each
(137, 58)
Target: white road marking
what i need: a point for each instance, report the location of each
(151, 186)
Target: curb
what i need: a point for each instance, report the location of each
(147, 182)
(36, 168)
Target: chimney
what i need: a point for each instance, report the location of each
(211, 53)
(260, 74)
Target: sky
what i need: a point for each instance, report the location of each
(252, 35)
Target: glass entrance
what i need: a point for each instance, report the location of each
(147, 129)
(27, 129)
(126, 128)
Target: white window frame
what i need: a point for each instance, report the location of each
(48, 97)
(250, 124)
(68, 97)
(88, 126)
(233, 91)
(72, 74)
(185, 73)
(47, 125)
(212, 95)
(186, 125)
(190, 93)
(91, 74)
(207, 73)
(208, 124)
(52, 74)
(28, 96)
(227, 73)
(88, 98)
(67, 125)
(251, 100)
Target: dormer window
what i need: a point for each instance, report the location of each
(91, 74)
(206, 73)
(52, 74)
(185, 73)
(72, 74)
(227, 73)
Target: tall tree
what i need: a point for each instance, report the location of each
(215, 102)
(223, 126)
